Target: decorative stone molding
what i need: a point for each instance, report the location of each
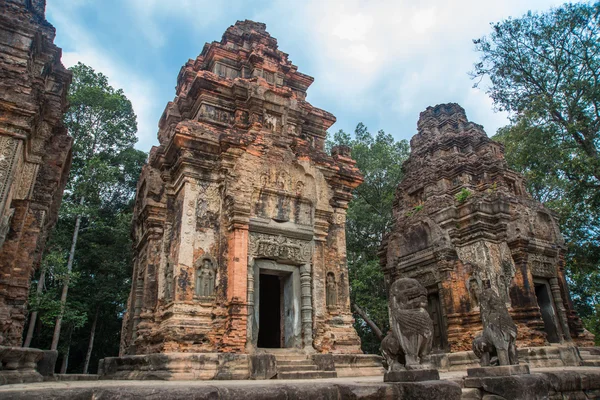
(279, 248)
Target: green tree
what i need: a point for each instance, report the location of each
(380, 159)
(95, 213)
(544, 69)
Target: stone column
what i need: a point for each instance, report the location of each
(237, 289)
(306, 306)
(137, 305)
(560, 308)
(250, 299)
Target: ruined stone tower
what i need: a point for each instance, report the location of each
(240, 213)
(35, 152)
(463, 221)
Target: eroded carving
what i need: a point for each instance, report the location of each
(410, 339)
(496, 345)
(214, 114)
(8, 154)
(205, 277)
(331, 290)
(279, 248)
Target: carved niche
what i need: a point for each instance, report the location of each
(207, 205)
(279, 247)
(280, 196)
(206, 272)
(272, 122)
(211, 113)
(331, 291)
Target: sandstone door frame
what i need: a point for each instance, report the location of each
(548, 311)
(291, 305)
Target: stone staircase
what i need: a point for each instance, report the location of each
(590, 356)
(294, 365)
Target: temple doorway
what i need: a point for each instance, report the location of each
(269, 330)
(277, 305)
(546, 304)
(435, 312)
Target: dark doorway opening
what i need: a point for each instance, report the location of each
(544, 300)
(269, 329)
(439, 337)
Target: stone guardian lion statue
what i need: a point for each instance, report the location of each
(497, 343)
(411, 335)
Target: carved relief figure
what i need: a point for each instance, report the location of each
(205, 278)
(331, 291)
(474, 290)
(271, 122)
(411, 336)
(169, 283)
(497, 344)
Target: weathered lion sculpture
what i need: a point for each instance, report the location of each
(411, 333)
(497, 343)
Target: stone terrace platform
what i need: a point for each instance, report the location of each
(542, 383)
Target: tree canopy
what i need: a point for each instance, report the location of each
(545, 69)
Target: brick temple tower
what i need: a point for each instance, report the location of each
(464, 221)
(239, 223)
(35, 152)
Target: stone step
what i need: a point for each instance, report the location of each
(295, 362)
(591, 363)
(307, 375)
(295, 368)
(290, 357)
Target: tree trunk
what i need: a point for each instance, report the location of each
(65, 289)
(91, 344)
(371, 324)
(65, 360)
(33, 317)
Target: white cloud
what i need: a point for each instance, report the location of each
(375, 57)
(376, 61)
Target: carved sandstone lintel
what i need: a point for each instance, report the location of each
(279, 247)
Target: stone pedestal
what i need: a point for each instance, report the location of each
(502, 370)
(417, 375)
(19, 365)
(479, 377)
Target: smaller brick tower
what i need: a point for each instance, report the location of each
(463, 221)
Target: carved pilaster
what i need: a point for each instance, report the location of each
(10, 150)
(560, 308)
(306, 293)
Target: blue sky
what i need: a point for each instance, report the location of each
(376, 62)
